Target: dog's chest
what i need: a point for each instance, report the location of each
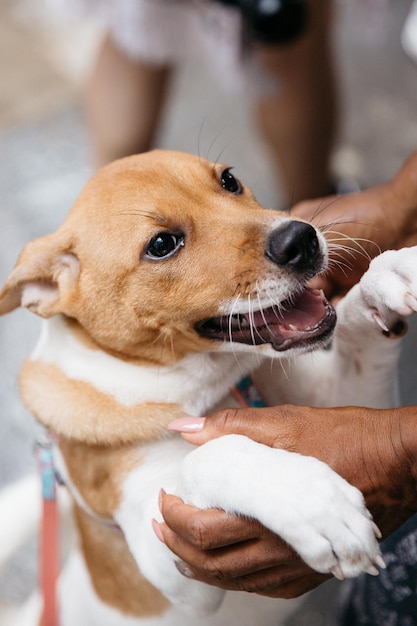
(197, 383)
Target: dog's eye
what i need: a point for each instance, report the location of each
(230, 183)
(164, 245)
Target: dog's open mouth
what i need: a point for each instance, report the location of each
(303, 319)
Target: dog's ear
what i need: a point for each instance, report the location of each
(44, 277)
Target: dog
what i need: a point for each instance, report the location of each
(167, 283)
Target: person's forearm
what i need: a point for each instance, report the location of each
(384, 464)
(375, 450)
(404, 191)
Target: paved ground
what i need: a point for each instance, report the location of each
(44, 162)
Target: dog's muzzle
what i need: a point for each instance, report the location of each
(302, 319)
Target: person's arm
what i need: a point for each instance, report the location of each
(361, 225)
(375, 450)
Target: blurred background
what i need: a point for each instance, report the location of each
(45, 159)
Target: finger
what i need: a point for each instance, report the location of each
(278, 581)
(291, 585)
(234, 561)
(263, 429)
(206, 529)
(245, 545)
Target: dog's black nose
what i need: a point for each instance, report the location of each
(294, 244)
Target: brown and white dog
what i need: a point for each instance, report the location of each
(165, 284)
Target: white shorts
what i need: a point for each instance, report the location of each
(165, 31)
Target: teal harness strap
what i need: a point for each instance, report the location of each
(247, 394)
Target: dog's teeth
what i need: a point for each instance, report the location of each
(239, 321)
(292, 327)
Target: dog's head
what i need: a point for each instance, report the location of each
(165, 254)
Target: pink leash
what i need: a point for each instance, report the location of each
(48, 549)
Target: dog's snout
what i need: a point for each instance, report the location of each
(294, 244)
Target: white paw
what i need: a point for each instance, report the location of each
(389, 287)
(299, 498)
(331, 528)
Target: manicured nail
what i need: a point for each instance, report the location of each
(161, 494)
(187, 424)
(157, 530)
(184, 569)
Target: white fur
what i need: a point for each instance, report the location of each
(81, 607)
(214, 373)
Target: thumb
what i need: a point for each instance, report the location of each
(261, 425)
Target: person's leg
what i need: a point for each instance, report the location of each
(124, 99)
(299, 119)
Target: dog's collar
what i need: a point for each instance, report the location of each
(247, 394)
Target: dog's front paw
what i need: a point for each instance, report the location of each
(389, 288)
(299, 498)
(332, 529)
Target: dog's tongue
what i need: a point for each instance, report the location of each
(300, 320)
(305, 317)
(302, 313)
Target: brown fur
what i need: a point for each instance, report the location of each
(97, 470)
(114, 573)
(76, 410)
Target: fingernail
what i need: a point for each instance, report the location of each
(157, 530)
(161, 494)
(184, 569)
(187, 424)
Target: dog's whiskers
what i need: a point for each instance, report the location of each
(251, 320)
(253, 327)
(261, 310)
(356, 247)
(344, 267)
(282, 365)
(276, 306)
(230, 330)
(324, 204)
(213, 141)
(339, 254)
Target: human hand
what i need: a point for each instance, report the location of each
(365, 446)
(359, 226)
(232, 552)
